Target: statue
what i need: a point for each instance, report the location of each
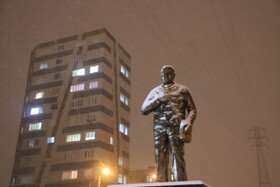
(174, 114)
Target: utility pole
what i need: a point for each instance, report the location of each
(256, 134)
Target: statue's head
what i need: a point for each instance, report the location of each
(167, 74)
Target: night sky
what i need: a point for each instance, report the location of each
(226, 52)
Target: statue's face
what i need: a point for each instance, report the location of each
(167, 76)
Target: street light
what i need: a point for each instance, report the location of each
(105, 171)
(102, 171)
(154, 176)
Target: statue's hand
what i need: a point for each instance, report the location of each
(185, 124)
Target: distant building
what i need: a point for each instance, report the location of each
(76, 113)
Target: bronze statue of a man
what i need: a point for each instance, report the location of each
(174, 111)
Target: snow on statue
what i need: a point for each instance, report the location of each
(174, 114)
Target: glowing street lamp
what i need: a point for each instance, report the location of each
(105, 171)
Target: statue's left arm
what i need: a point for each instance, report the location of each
(191, 108)
(192, 113)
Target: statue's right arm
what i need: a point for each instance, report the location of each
(151, 103)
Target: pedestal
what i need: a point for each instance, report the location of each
(165, 184)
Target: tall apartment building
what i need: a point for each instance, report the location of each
(76, 113)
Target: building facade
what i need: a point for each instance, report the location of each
(75, 118)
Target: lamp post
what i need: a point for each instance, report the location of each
(105, 171)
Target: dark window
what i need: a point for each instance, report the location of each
(88, 153)
(57, 76)
(54, 106)
(60, 47)
(58, 61)
(55, 90)
(32, 143)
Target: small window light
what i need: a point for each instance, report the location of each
(51, 140)
(94, 69)
(39, 95)
(36, 110)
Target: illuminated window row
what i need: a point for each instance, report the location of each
(35, 126)
(35, 142)
(66, 175)
(73, 88)
(123, 129)
(89, 136)
(82, 71)
(80, 87)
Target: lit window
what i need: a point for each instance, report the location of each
(172, 178)
(120, 161)
(124, 99)
(33, 143)
(36, 110)
(123, 129)
(111, 140)
(149, 179)
(39, 95)
(78, 72)
(124, 71)
(69, 174)
(51, 139)
(73, 138)
(77, 87)
(43, 66)
(126, 131)
(94, 69)
(124, 179)
(90, 136)
(35, 126)
(93, 84)
(120, 179)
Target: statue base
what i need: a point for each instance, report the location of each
(165, 184)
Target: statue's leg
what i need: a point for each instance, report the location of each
(177, 155)
(161, 153)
